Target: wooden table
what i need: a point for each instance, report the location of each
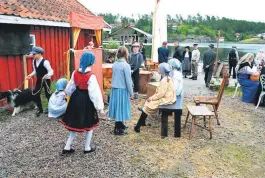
(167, 110)
(151, 88)
(145, 78)
(199, 111)
(107, 75)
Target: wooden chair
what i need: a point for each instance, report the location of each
(262, 94)
(214, 101)
(237, 87)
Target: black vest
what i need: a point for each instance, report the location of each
(41, 70)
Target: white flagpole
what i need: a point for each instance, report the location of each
(159, 28)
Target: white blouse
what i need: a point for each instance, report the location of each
(248, 70)
(187, 54)
(178, 81)
(94, 91)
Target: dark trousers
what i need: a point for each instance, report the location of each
(208, 75)
(38, 88)
(141, 120)
(136, 80)
(232, 65)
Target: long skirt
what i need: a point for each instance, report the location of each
(249, 88)
(80, 114)
(119, 105)
(186, 66)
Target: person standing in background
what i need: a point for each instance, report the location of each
(209, 57)
(136, 60)
(195, 61)
(233, 58)
(186, 64)
(178, 54)
(163, 53)
(142, 50)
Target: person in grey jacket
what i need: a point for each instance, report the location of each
(136, 60)
(209, 57)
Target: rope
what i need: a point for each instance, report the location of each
(43, 81)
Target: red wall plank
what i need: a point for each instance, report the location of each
(4, 77)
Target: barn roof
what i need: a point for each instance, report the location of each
(134, 28)
(50, 10)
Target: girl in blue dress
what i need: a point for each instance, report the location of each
(121, 91)
(57, 103)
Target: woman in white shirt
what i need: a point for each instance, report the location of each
(260, 57)
(245, 69)
(186, 62)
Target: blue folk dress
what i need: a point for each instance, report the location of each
(120, 104)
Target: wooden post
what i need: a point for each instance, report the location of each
(101, 43)
(217, 52)
(72, 55)
(26, 83)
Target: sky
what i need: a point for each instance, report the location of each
(253, 10)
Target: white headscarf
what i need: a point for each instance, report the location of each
(259, 57)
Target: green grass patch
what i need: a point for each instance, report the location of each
(43, 97)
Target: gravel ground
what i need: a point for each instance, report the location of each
(31, 147)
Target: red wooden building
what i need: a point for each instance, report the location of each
(49, 28)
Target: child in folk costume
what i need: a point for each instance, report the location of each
(58, 103)
(43, 71)
(86, 99)
(177, 76)
(165, 94)
(121, 91)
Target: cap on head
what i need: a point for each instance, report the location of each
(136, 45)
(211, 45)
(164, 43)
(37, 50)
(195, 45)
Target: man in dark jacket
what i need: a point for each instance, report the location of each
(142, 51)
(163, 53)
(136, 60)
(178, 54)
(209, 58)
(233, 58)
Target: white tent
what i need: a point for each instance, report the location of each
(159, 27)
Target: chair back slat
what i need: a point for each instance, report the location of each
(222, 88)
(262, 82)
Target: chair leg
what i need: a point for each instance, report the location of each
(185, 125)
(192, 129)
(210, 127)
(260, 97)
(235, 92)
(216, 115)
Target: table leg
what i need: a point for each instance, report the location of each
(210, 127)
(185, 125)
(192, 129)
(164, 125)
(177, 124)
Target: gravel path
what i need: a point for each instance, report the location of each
(31, 147)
